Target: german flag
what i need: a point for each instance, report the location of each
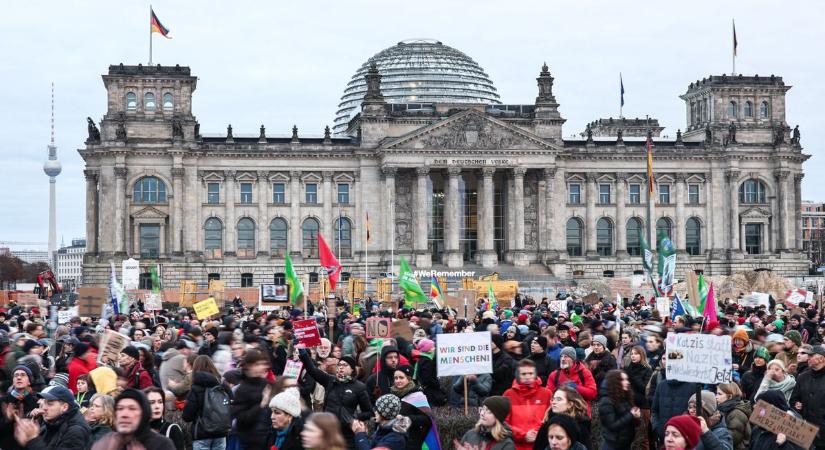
(155, 25)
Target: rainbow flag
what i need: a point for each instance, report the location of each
(491, 297)
(155, 26)
(436, 294)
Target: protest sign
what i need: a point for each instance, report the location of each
(65, 316)
(698, 358)
(401, 328)
(464, 353)
(755, 299)
(379, 327)
(795, 296)
(90, 300)
(151, 302)
(306, 331)
(206, 308)
(216, 289)
(663, 306)
(26, 299)
(558, 305)
(692, 282)
(293, 369)
(591, 299)
(776, 421)
(112, 344)
(188, 290)
(130, 273)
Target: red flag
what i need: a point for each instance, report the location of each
(329, 263)
(711, 319)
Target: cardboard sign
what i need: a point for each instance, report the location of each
(692, 282)
(216, 289)
(776, 421)
(558, 305)
(206, 308)
(151, 302)
(130, 273)
(26, 299)
(306, 331)
(187, 295)
(379, 327)
(591, 299)
(90, 301)
(111, 344)
(65, 316)
(698, 358)
(464, 353)
(293, 369)
(401, 328)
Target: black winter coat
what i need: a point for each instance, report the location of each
(584, 424)
(639, 375)
(762, 439)
(671, 399)
(192, 411)
(810, 391)
(504, 371)
(421, 424)
(618, 425)
(251, 421)
(544, 365)
(751, 381)
(380, 383)
(427, 378)
(69, 432)
(292, 441)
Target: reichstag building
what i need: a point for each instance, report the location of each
(449, 175)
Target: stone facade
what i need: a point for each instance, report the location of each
(452, 185)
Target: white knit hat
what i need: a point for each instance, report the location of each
(288, 401)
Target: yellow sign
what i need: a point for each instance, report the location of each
(206, 308)
(505, 291)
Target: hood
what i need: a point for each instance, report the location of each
(526, 390)
(146, 411)
(384, 352)
(204, 379)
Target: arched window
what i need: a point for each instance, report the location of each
(309, 231)
(732, 109)
(168, 102)
(246, 238)
(278, 234)
(343, 238)
(131, 101)
(149, 102)
(752, 191)
(213, 237)
(693, 240)
(604, 237)
(664, 226)
(748, 109)
(574, 237)
(149, 190)
(634, 229)
(763, 110)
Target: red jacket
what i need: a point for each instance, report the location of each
(578, 375)
(80, 366)
(139, 378)
(527, 407)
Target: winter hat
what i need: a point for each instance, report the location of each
(104, 379)
(131, 351)
(709, 404)
(522, 317)
(601, 339)
(406, 370)
(499, 341)
(778, 323)
(426, 345)
(569, 352)
(541, 340)
(288, 401)
(774, 397)
(80, 349)
(818, 350)
(419, 334)
(508, 314)
(774, 338)
(741, 333)
(688, 427)
(779, 363)
(59, 393)
(499, 406)
(568, 423)
(350, 361)
(794, 336)
(388, 406)
(523, 329)
(30, 344)
(60, 379)
(762, 352)
(26, 370)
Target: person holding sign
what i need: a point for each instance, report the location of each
(808, 397)
(715, 433)
(762, 439)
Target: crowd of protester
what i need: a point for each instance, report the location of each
(591, 376)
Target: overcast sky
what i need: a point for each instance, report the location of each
(284, 63)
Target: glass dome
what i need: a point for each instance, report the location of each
(419, 71)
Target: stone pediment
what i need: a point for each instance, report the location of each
(149, 212)
(469, 130)
(755, 213)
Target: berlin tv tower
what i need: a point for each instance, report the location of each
(52, 167)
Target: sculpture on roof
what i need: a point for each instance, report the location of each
(229, 131)
(795, 138)
(94, 133)
(708, 135)
(732, 133)
(262, 134)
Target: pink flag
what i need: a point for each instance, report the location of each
(711, 319)
(328, 262)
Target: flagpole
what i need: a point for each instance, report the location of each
(733, 55)
(366, 255)
(150, 35)
(621, 98)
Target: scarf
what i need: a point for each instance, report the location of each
(19, 395)
(785, 386)
(344, 379)
(401, 393)
(280, 436)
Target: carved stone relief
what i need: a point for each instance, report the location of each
(531, 212)
(405, 181)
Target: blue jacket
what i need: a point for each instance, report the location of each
(719, 438)
(554, 352)
(670, 400)
(392, 435)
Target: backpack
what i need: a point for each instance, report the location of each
(153, 375)
(217, 416)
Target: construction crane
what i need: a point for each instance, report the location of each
(22, 243)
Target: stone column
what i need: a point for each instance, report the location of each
(590, 217)
(797, 221)
(177, 210)
(621, 215)
(120, 210)
(452, 221)
(295, 241)
(708, 241)
(732, 177)
(783, 213)
(550, 199)
(328, 227)
(487, 231)
(423, 259)
(263, 214)
(679, 226)
(518, 208)
(229, 208)
(91, 211)
(388, 195)
(191, 209)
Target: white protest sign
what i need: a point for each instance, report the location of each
(293, 369)
(698, 358)
(66, 315)
(151, 302)
(130, 273)
(796, 296)
(756, 299)
(663, 306)
(558, 305)
(464, 353)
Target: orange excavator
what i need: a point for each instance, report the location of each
(47, 287)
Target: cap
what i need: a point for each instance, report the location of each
(58, 393)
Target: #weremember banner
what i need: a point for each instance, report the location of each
(698, 358)
(464, 353)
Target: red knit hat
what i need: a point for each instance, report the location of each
(689, 427)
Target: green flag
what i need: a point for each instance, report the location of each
(647, 254)
(295, 288)
(492, 303)
(664, 248)
(703, 293)
(153, 270)
(407, 282)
